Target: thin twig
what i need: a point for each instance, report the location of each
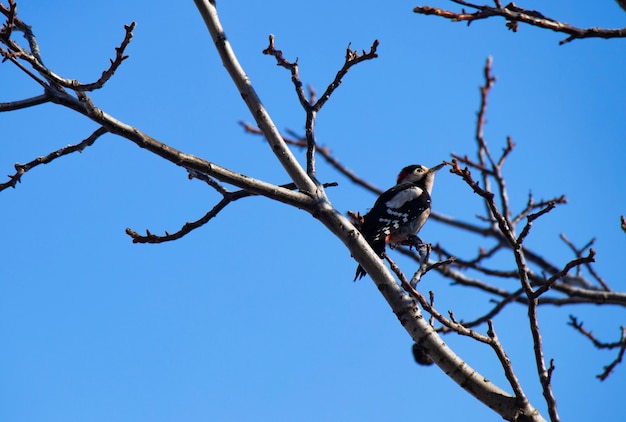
(353, 57)
(326, 153)
(532, 217)
(572, 264)
(20, 169)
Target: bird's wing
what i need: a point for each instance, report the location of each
(394, 208)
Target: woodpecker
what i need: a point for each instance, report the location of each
(400, 212)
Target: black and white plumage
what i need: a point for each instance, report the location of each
(400, 212)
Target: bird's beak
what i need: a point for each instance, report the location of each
(437, 167)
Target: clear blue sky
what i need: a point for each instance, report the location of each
(255, 316)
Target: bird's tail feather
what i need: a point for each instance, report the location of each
(360, 273)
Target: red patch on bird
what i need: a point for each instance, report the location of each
(402, 176)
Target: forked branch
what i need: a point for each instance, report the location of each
(452, 324)
(227, 198)
(312, 105)
(620, 345)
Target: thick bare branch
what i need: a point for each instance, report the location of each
(419, 329)
(491, 339)
(85, 106)
(298, 175)
(514, 14)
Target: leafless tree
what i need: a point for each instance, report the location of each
(538, 280)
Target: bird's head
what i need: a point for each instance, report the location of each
(420, 175)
